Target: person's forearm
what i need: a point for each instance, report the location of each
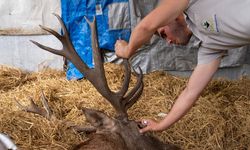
(182, 105)
(197, 82)
(161, 16)
(139, 36)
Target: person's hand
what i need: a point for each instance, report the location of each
(150, 125)
(121, 47)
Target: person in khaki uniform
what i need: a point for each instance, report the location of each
(176, 20)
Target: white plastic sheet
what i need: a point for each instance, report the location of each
(23, 17)
(175, 59)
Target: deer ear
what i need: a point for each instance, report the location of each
(97, 118)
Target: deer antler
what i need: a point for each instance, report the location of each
(119, 100)
(33, 108)
(47, 113)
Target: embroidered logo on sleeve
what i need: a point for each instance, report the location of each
(211, 24)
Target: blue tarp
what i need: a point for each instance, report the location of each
(73, 12)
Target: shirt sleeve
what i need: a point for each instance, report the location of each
(206, 55)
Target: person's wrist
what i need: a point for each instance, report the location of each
(127, 52)
(160, 126)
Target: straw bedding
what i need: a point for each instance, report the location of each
(219, 120)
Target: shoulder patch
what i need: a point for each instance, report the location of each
(210, 24)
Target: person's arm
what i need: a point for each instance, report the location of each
(197, 82)
(166, 12)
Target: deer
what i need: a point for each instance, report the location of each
(106, 133)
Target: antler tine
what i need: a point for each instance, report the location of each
(33, 108)
(64, 29)
(95, 47)
(98, 79)
(51, 31)
(54, 51)
(137, 85)
(136, 92)
(134, 98)
(68, 50)
(45, 104)
(127, 101)
(127, 78)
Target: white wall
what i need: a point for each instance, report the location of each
(20, 22)
(22, 17)
(18, 51)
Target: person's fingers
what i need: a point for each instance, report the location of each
(118, 44)
(143, 130)
(119, 41)
(147, 123)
